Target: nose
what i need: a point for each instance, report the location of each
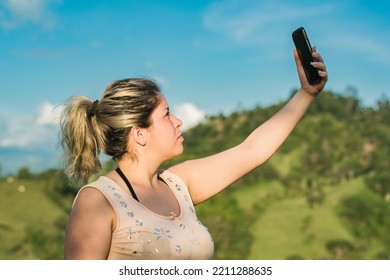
(177, 121)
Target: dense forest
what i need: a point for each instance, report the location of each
(340, 149)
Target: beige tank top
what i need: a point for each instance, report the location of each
(143, 234)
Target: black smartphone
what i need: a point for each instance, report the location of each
(302, 44)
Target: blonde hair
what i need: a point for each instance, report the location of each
(90, 127)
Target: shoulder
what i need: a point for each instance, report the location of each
(91, 204)
(180, 170)
(172, 175)
(91, 211)
(96, 190)
(90, 225)
(176, 182)
(90, 195)
(92, 198)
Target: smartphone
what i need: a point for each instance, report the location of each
(302, 44)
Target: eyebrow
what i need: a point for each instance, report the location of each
(166, 110)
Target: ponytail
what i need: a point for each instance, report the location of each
(82, 139)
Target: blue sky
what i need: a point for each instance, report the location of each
(208, 56)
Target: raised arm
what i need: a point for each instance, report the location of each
(207, 176)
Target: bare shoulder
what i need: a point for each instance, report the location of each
(182, 169)
(91, 197)
(90, 225)
(91, 204)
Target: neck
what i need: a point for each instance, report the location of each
(139, 173)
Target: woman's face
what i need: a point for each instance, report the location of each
(164, 134)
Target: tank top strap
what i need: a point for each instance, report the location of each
(119, 171)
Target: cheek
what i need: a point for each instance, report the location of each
(163, 132)
(166, 127)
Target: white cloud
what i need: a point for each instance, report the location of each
(189, 114)
(15, 13)
(49, 114)
(29, 9)
(33, 130)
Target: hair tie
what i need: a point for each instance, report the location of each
(92, 110)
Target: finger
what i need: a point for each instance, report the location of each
(319, 65)
(318, 56)
(322, 74)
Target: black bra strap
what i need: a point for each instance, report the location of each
(119, 171)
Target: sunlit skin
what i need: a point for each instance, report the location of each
(164, 134)
(93, 220)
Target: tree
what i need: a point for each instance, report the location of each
(379, 179)
(367, 217)
(24, 173)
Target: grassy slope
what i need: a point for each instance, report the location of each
(18, 210)
(289, 227)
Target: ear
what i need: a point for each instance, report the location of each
(138, 134)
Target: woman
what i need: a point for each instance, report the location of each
(139, 211)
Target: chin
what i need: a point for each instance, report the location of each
(179, 151)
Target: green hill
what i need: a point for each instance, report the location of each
(324, 195)
(31, 224)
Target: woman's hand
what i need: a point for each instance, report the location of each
(315, 89)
